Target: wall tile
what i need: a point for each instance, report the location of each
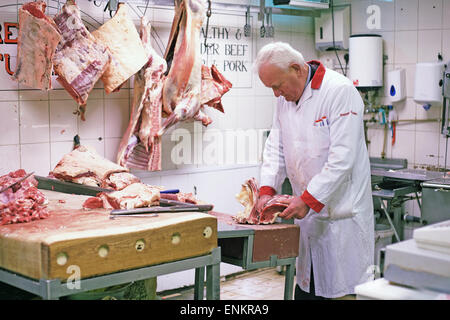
(446, 14)
(446, 44)
(63, 122)
(427, 148)
(263, 112)
(246, 112)
(406, 47)
(9, 123)
(359, 16)
(444, 146)
(430, 14)
(403, 150)
(429, 45)
(111, 147)
(93, 126)
(34, 121)
(406, 110)
(117, 115)
(9, 158)
(406, 14)
(36, 157)
(58, 150)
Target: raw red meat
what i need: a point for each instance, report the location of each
(80, 60)
(36, 45)
(248, 198)
(23, 202)
(180, 196)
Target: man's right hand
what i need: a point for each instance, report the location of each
(262, 200)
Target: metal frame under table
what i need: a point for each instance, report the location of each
(54, 289)
(245, 238)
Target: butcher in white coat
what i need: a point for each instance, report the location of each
(317, 141)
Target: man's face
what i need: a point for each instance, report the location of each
(287, 83)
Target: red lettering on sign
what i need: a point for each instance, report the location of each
(7, 63)
(8, 33)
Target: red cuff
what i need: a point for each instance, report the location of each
(312, 202)
(266, 190)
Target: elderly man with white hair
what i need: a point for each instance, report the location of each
(317, 141)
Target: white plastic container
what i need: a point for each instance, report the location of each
(395, 85)
(366, 60)
(427, 90)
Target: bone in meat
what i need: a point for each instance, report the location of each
(36, 44)
(128, 54)
(248, 197)
(214, 86)
(80, 60)
(140, 146)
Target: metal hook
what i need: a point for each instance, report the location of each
(98, 5)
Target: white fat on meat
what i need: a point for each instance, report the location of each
(136, 195)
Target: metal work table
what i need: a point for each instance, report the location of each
(54, 288)
(392, 186)
(255, 246)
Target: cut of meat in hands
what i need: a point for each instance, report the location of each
(248, 197)
(36, 44)
(80, 60)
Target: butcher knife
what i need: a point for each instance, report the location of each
(158, 209)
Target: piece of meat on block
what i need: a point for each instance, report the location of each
(22, 202)
(128, 54)
(80, 60)
(136, 195)
(36, 44)
(85, 166)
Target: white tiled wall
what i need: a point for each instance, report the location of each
(413, 31)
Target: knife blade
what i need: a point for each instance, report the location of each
(158, 209)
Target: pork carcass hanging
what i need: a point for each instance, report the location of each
(80, 60)
(128, 54)
(140, 146)
(36, 44)
(248, 197)
(183, 95)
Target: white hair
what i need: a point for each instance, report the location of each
(280, 54)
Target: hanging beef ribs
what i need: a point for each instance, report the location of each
(36, 45)
(140, 146)
(128, 54)
(85, 166)
(248, 198)
(80, 60)
(22, 202)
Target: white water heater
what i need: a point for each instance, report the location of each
(427, 85)
(366, 60)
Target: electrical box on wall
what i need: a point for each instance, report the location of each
(324, 29)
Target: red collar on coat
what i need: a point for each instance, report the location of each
(316, 81)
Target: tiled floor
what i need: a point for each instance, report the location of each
(260, 284)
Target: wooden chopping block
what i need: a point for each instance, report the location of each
(278, 239)
(90, 240)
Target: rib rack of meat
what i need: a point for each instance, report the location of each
(85, 166)
(248, 198)
(22, 202)
(128, 54)
(36, 45)
(140, 146)
(80, 59)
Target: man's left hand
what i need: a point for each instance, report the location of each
(297, 209)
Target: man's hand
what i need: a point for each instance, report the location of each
(297, 209)
(262, 200)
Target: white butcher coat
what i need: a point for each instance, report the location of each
(328, 158)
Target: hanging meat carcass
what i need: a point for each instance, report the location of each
(188, 85)
(128, 54)
(140, 146)
(248, 198)
(80, 60)
(36, 45)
